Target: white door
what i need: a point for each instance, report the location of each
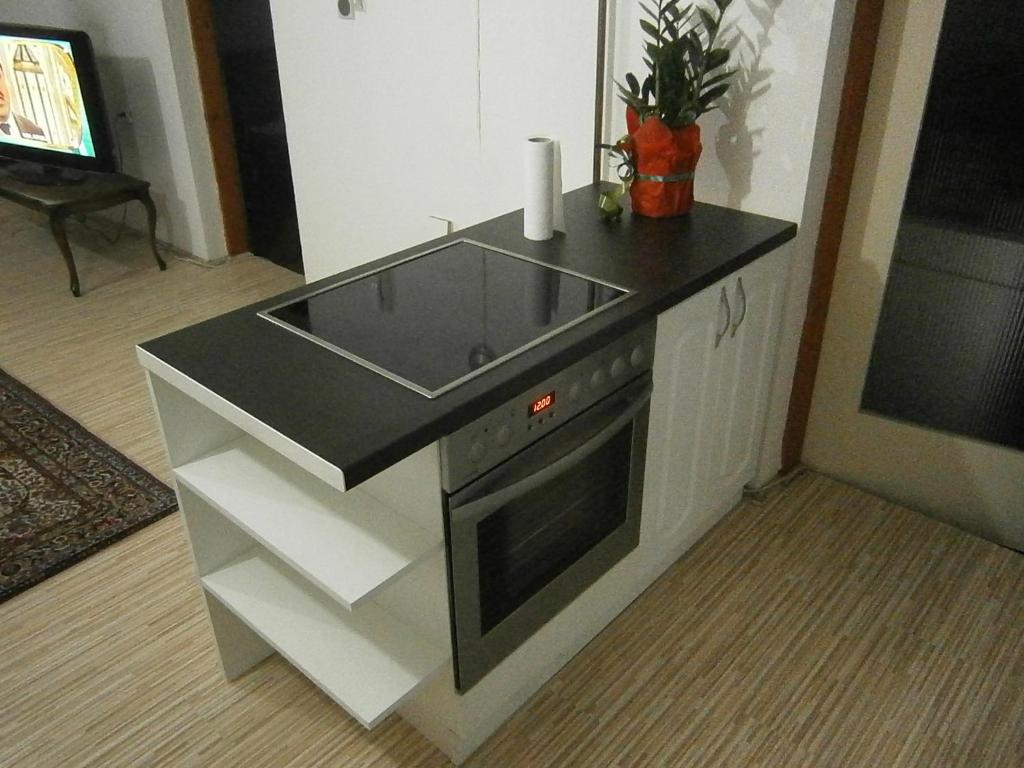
(416, 110)
(682, 408)
(713, 366)
(746, 357)
(537, 64)
(975, 485)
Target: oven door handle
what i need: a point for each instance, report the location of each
(497, 499)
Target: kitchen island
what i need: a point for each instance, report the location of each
(311, 485)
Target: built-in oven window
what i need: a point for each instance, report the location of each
(530, 541)
(531, 534)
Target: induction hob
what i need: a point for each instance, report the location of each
(439, 318)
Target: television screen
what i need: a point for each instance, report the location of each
(50, 105)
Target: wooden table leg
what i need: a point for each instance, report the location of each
(57, 219)
(147, 201)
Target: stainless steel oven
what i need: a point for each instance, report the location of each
(543, 496)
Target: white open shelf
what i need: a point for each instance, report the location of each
(367, 661)
(348, 544)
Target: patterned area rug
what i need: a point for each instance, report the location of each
(64, 494)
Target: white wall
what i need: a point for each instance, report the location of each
(419, 109)
(768, 150)
(138, 73)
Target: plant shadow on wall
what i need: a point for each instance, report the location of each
(736, 143)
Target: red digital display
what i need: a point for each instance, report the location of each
(542, 404)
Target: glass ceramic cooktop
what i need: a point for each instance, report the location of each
(434, 320)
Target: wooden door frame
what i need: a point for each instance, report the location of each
(856, 83)
(219, 125)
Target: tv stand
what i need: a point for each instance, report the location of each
(41, 175)
(95, 192)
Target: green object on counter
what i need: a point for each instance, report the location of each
(620, 152)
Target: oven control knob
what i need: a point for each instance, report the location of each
(504, 435)
(575, 391)
(476, 452)
(618, 367)
(597, 379)
(638, 357)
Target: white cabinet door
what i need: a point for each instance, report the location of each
(747, 363)
(682, 408)
(713, 367)
(537, 63)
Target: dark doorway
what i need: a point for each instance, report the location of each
(244, 35)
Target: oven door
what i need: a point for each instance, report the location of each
(532, 534)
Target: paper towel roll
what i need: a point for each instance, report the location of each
(538, 178)
(556, 188)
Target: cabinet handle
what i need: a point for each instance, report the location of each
(741, 297)
(723, 303)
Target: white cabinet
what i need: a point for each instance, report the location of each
(682, 407)
(349, 586)
(421, 109)
(746, 358)
(713, 367)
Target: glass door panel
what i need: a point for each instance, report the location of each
(949, 348)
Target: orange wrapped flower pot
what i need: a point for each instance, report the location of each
(665, 160)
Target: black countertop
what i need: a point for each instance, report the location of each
(363, 423)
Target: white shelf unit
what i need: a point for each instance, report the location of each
(348, 586)
(348, 544)
(366, 660)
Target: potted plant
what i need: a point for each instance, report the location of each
(686, 75)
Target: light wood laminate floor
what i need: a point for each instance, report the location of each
(820, 626)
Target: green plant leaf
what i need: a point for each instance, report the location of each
(678, 39)
(719, 78)
(649, 11)
(711, 94)
(650, 29)
(625, 94)
(686, 116)
(716, 58)
(647, 90)
(694, 49)
(632, 101)
(677, 14)
(709, 21)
